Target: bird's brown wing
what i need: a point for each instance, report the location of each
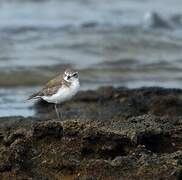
(35, 95)
(51, 87)
(55, 81)
(46, 91)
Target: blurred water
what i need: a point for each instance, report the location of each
(129, 43)
(13, 102)
(50, 32)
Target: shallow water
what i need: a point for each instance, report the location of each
(13, 102)
(120, 43)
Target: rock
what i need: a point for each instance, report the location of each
(177, 19)
(154, 20)
(48, 129)
(119, 133)
(18, 134)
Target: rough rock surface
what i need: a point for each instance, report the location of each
(111, 133)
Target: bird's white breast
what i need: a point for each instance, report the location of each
(64, 93)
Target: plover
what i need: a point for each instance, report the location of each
(59, 89)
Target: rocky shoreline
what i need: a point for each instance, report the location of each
(109, 133)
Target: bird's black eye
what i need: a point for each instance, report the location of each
(75, 75)
(68, 77)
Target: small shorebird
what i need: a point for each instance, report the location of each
(59, 89)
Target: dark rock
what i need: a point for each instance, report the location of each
(19, 134)
(51, 129)
(154, 20)
(110, 133)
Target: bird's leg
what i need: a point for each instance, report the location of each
(55, 106)
(61, 115)
(58, 113)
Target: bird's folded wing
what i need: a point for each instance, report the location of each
(47, 91)
(54, 82)
(51, 87)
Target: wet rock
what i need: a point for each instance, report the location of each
(116, 103)
(123, 161)
(67, 166)
(19, 134)
(118, 133)
(85, 151)
(15, 157)
(89, 24)
(154, 20)
(18, 154)
(170, 105)
(177, 19)
(51, 129)
(105, 145)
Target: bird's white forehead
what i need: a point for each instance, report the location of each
(69, 73)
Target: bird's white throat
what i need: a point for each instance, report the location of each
(73, 88)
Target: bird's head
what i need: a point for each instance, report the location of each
(70, 75)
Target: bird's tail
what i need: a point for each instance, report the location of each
(34, 96)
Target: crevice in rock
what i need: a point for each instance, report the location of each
(157, 143)
(105, 147)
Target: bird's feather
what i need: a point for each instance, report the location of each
(51, 88)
